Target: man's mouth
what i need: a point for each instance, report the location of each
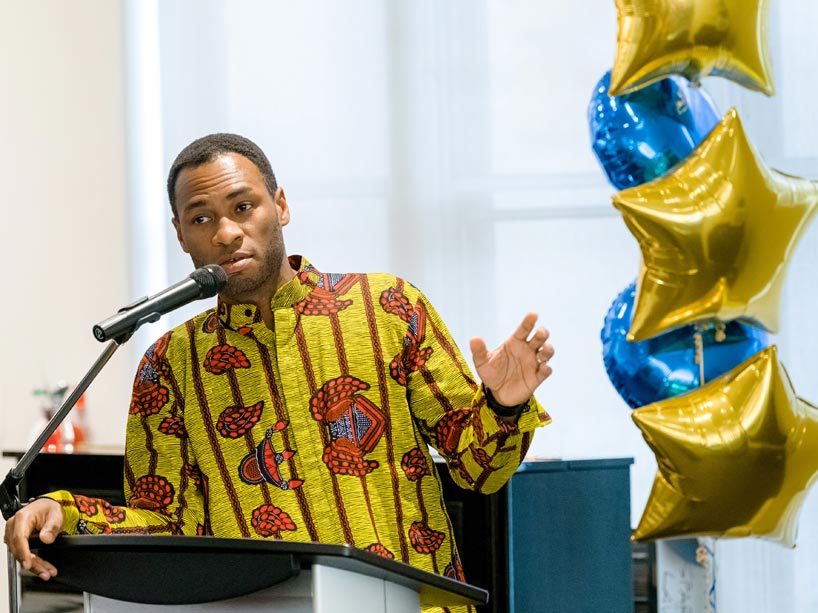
(234, 263)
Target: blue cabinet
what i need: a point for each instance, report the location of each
(569, 537)
(555, 539)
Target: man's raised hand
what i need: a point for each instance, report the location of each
(514, 370)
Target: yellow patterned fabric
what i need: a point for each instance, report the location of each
(317, 430)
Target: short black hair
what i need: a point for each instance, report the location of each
(208, 148)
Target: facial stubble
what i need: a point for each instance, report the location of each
(239, 287)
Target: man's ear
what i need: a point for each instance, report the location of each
(282, 208)
(175, 221)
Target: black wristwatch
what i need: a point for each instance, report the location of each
(500, 409)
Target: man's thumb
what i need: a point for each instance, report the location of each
(479, 351)
(49, 533)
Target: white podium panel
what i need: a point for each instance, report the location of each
(322, 589)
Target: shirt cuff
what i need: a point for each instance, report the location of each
(531, 419)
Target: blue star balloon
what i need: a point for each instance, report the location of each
(665, 365)
(640, 136)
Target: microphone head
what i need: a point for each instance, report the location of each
(211, 279)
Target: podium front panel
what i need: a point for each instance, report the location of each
(323, 589)
(292, 596)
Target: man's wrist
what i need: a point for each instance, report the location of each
(502, 410)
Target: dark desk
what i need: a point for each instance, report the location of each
(99, 475)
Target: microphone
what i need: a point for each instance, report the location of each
(203, 282)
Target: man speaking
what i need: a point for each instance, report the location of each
(301, 408)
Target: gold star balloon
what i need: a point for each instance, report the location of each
(716, 234)
(736, 457)
(694, 38)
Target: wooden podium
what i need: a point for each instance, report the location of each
(154, 573)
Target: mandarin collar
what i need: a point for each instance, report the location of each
(235, 316)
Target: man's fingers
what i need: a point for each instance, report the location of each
(42, 568)
(544, 353)
(538, 339)
(525, 327)
(543, 371)
(18, 529)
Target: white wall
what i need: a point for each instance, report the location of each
(65, 240)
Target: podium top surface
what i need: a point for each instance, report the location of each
(181, 569)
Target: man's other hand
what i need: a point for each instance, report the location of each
(42, 518)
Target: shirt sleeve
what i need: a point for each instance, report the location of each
(481, 450)
(164, 489)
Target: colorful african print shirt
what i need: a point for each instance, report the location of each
(317, 430)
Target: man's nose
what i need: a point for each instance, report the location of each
(227, 232)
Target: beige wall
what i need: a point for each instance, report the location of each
(62, 199)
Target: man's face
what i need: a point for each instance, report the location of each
(226, 216)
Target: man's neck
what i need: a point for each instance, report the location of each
(265, 308)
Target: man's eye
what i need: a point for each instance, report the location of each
(244, 206)
(200, 219)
